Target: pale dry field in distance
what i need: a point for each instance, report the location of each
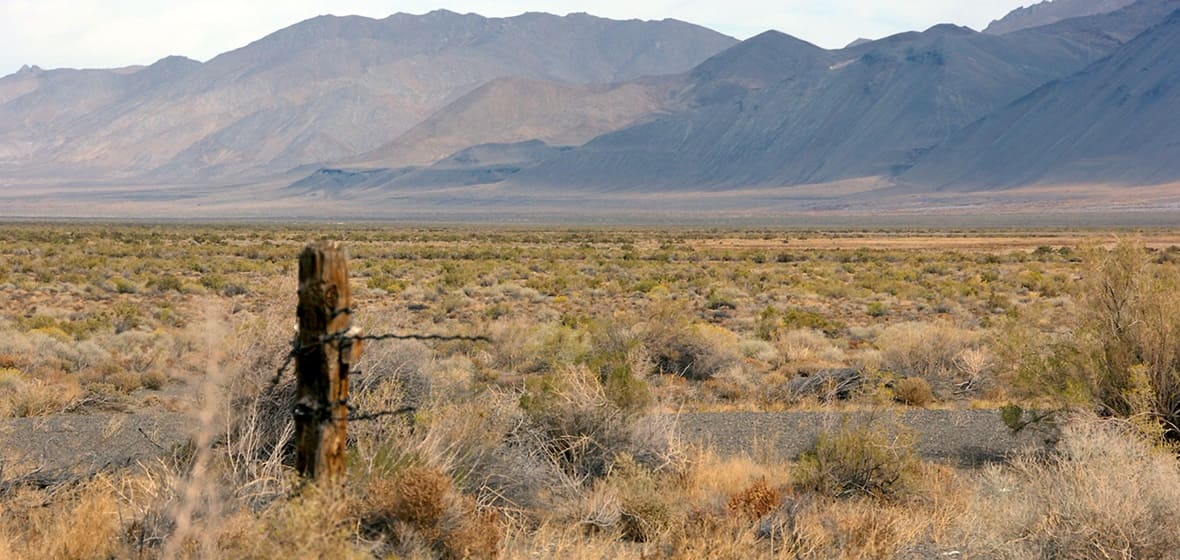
(558, 438)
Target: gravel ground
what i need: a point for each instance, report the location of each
(68, 445)
(53, 448)
(961, 437)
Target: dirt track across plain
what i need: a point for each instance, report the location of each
(960, 437)
(68, 445)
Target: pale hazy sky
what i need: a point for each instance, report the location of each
(110, 33)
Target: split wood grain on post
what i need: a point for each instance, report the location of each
(327, 348)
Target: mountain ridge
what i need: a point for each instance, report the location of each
(318, 91)
(1049, 12)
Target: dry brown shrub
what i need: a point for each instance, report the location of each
(913, 391)
(1104, 493)
(12, 361)
(474, 533)
(756, 501)
(419, 496)
(420, 507)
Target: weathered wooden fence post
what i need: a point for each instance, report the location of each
(326, 348)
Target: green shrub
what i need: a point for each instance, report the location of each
(645, 508)
(804, 319)
(123, 286)
(1122, 356)
(615, 353)
(721, 299)
(213, 282)
(583, 431)
(768, 323)
(166, 283)
(866, 460)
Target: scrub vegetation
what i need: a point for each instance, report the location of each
(559, 437)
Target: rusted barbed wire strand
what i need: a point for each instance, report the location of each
(325, 412)
(346, 335)
(297, 350)
(381, 414)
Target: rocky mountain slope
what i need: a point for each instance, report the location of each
(1117, 122)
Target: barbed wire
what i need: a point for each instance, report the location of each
(298, 350)
(349, 335)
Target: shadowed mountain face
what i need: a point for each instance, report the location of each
(322, 90)
(1052, 11)
(776, 111)
(1117, 122)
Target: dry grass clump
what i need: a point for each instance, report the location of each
(1104, 493)
(85, 523)
(679, 346)
(112, 515)
(930, 350)
(738, 509)
(22, 396)
(314, 524)
(808, 347)
(913, 391)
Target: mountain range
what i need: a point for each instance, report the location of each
(1062, 101)
(322, 90)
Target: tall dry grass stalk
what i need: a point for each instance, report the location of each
(198, 496)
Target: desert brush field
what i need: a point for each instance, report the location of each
(620, 393)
